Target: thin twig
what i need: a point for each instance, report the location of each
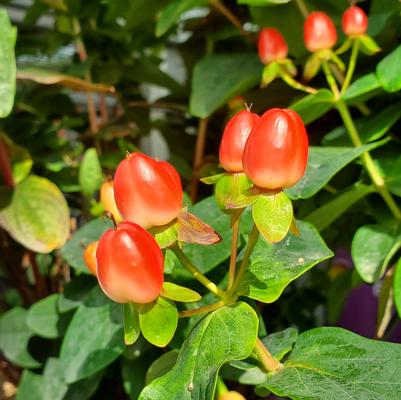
(201, 310)
(302, 8)
(233, 257)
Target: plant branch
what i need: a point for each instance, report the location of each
(290, 81)
(196, 273)
(198, 157)
(331, 80)
(269, 363)
(302, 8)
(232, 18)
(234, 246)
(253, 238)
(351, 65)
(367, 160)
(5, 166)
(201, 310)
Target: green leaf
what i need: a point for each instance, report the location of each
(332, 363)
(83, 352)
(73, 251)
(389, 71)
(8, 35)
(397, 287)
(158, 321)
(368, 45)
(313, 106)
(14, 338)
(219, 77)
(273, 266)
(323, 164)
(366, 85)
(281, 343)
(21, 160)
(171, 14)
(131, 324)
(325, 215)
(223, 335)
(390, 167)
(273, 214)
(38, 215)
(31, 386)
(179, 293)
(161, 366)
(372, 247)
(43, 318)
(90, 173)
(371, 128)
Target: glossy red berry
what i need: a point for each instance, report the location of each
(234, 138)
(276, 152)
(354, 21)
(271, 45)
(147, 192)
(107, 200)
(319, 32)
(90, 257)
(129, 264)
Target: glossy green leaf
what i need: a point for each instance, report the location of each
(334, 364)
(366, 85)
(371, 128)
(179, 293)
(372, 245)
(273, 266)
(90, 173)
(14, 338)
(389, 71)
(273, 214)
(44, 319)
(30, 387)
(158, 321)
(323, 164)
(325, 215)
(219, 77)
(313, 106)
(281, 343)
(132, 329)
(8, 35)
(73, 251)
(94, 337)
(161, 366)
(221, 336)
(38, 215)
(171, 14)
(397, 287)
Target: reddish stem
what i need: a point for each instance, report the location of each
(5, 166)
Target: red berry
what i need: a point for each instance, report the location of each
(90, 257)
(354, 21)
(234, 138)
(271, 45)
(319, 32)
(147, 192)
(107, 200)
(129, 264)
(276, 152)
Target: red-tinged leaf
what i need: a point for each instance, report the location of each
(191, 229)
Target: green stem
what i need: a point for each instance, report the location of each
(330, 79)
(367, 160)
(253, 238)
(196, 273)
(302, 8)
(270, 364)
(234, 245)
(290, 81)
(201, 310)
(351, 66)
